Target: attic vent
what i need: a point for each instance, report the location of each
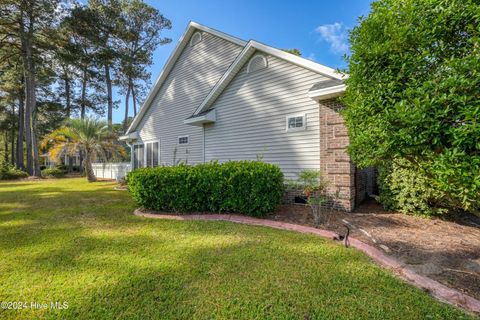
(258, 62)
(196, 38)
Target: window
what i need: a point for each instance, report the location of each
(152, 154)
(196, 38)
(138, 156)
(258, 62)
(296, 122)
(183, 140)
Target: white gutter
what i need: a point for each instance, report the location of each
(327, 93)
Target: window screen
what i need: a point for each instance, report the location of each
(138, 156)
(183, 140)
(152, 154)
(295, 122)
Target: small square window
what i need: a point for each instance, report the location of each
(296, 122)
(183, 140)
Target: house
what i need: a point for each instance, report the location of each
(223, 98)
(63, 159)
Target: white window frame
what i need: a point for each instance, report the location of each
(133, 154)
(304, 122)
(253, 58)
(145, 152)
(183, 144)
(144, 143)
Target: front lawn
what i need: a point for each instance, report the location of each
(70, 241)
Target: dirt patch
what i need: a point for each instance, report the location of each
(447, 251)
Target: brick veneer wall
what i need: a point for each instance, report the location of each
(335, 163)
(348, 185)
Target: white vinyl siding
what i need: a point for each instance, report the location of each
(251, 118)
(194, 74)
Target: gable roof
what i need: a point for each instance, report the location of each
(253, 46)
(182, 42)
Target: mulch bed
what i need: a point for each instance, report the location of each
(445, 250)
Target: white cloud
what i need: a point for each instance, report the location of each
(312, 57)
(334, 34)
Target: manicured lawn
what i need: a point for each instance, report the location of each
(67, 240)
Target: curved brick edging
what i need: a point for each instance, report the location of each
(433, 287)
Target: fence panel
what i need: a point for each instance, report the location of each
(115, 171)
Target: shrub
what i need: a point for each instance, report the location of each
(314, 187)
(9, 172)
(405, 188)
(247, 187)
(413, 92)
(53, 172)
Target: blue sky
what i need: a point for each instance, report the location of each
(317, 28)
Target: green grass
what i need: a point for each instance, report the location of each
(68, 240)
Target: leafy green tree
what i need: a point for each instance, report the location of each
(138, 36)
(414, 92)
(293, 51)
(89, 136)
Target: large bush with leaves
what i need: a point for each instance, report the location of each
(246, 187)
(414, 93)
(9, 172)
(403, 187)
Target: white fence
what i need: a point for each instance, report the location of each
(115, 171)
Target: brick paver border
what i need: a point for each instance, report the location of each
(433, 287)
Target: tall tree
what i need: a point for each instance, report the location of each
(27, 25)
(140, 33)
(106, 15)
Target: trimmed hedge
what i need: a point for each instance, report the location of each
(247, 187)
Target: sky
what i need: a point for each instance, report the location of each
(319, 29)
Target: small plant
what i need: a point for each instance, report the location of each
(314, 187)
(53, 172)
(9, 172)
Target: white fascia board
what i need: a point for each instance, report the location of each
(129, 136)
(182, 42)
(217, 33)
(302, 62)
(225, 79)
(200, 120)
(327, 93)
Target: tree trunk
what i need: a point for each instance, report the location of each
(12, 140)
(125, 120)
(21, 128)
(134, 98)
(67, 97)
(29, 89)
(84, 94)
(36, 155)
(108, 81)
(88, 168)
(5, 142)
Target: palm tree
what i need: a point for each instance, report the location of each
(88, 136)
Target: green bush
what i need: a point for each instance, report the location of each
(413, 92)
(9, 172)
(405, 188)
(53, 172)
(246, 187)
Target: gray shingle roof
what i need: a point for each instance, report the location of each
(326, 84)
